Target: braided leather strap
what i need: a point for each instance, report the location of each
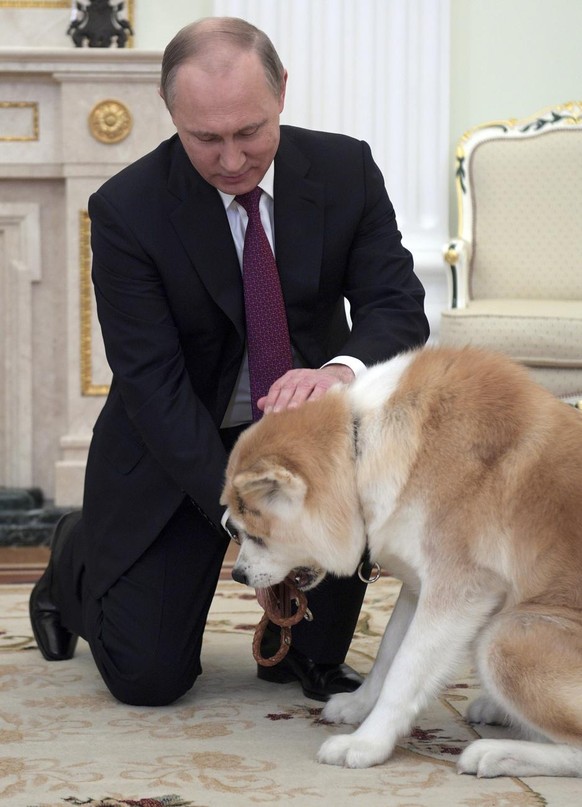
(277, 604)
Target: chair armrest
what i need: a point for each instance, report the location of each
(457, 253)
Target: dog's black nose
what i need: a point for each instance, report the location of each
(239, 576)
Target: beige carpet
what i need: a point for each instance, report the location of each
(232, 741)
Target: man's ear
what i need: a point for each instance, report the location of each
(275, 490)
(282, 94)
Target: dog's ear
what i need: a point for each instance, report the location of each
(275, 489)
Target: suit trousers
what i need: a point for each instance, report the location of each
(146, 632)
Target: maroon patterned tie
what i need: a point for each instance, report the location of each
(268, 342)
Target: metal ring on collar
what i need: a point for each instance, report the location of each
(375, 573)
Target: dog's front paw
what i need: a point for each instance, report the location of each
(347, 707)
(486, 710)
(352, 752)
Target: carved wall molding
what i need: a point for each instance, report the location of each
(8, 120)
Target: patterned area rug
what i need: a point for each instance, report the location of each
(162, 801)
(233, 740)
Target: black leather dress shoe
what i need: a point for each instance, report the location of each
(54, 641)
(318, 681)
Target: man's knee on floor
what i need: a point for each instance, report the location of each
(140, 676)
(146, 672)
(154, 687)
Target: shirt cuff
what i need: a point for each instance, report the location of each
(355, 365)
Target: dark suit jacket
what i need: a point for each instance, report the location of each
(169, 299)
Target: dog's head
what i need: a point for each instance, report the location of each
(266, 505)
(290, 488)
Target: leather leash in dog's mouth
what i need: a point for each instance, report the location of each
(277, 601)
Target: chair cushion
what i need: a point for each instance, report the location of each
(543, 333)
(564, 382)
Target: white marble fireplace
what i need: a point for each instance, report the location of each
(69, 119)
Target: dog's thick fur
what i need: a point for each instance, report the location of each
(464, 479)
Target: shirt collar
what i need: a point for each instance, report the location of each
(266, 185)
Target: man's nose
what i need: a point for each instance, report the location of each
(232, 157)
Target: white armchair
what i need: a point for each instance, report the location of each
(515, 269)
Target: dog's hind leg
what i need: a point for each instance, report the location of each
(530, 659)
(354, 707)
(486, 710)
(489, 758)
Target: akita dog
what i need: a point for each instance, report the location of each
(462, 478)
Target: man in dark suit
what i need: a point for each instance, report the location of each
(136, 571)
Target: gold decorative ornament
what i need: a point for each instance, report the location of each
(110, 121)
(451, 256)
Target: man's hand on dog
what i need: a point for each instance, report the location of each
(298, 386)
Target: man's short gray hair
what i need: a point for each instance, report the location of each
(199, 37)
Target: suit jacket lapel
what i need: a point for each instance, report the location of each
(201, 224)
(299, 222)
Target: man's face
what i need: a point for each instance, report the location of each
(228, 121)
